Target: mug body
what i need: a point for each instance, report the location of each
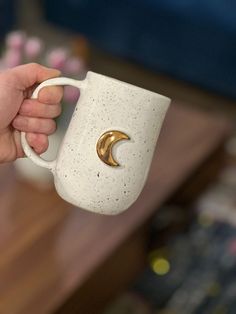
(135, 116)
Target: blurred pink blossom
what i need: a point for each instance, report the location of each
(20, 49)
(74, 66)
(232, 246)
(33, 48)
(12, 58)
(57, 58)
(71, 94)
(15, 40)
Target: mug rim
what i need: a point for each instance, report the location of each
(89, 73)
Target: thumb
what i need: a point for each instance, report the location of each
(29, 74)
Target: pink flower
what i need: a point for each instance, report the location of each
(74, 66)
(33, 48)
(232, 246)
(12, 58)
(15, 40)
(57, 58)
(71, 94)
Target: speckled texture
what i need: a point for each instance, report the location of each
(105, 104)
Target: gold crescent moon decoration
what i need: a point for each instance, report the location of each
(105, 144)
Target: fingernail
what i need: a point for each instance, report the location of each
(58, 72)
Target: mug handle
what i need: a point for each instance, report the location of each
(29, 152)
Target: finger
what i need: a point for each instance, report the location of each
(34, 108)
(39, 142)
(51, 95)
(28, 74)
(34, 125)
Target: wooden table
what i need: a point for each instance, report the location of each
(57, 258)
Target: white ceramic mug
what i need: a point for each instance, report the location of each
(106, 153)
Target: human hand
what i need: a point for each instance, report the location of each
(20, 113)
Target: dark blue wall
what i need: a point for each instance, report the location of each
(194, 40)
(7, 16)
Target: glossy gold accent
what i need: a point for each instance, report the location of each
(105, 145)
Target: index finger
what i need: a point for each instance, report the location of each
(27, 75)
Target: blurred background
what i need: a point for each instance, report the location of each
(174, 250)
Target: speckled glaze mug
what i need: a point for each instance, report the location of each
(105, 156)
